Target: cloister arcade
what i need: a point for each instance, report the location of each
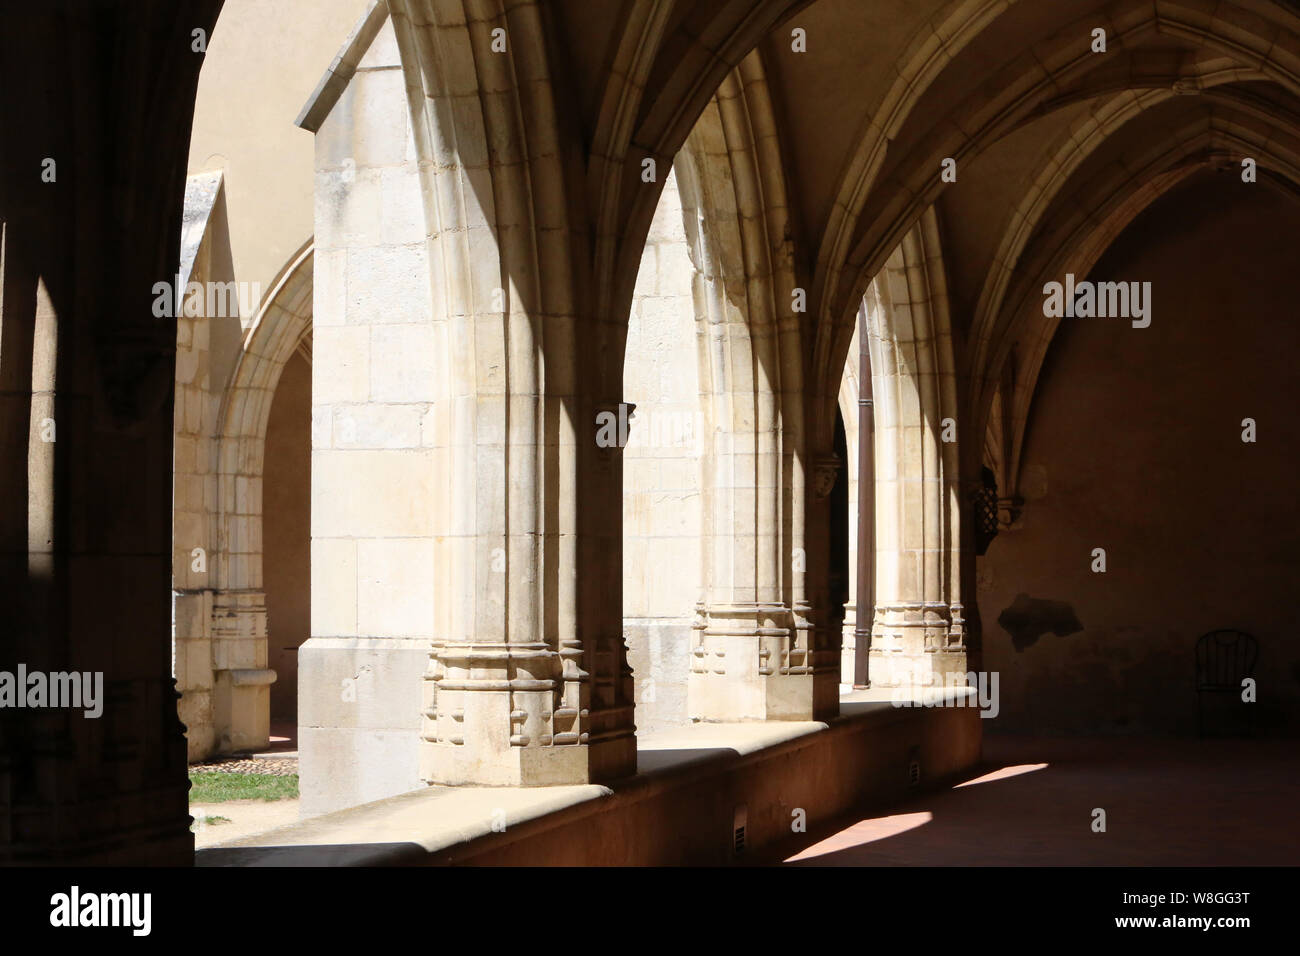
(529, 217)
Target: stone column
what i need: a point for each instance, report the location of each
(194, 554)
(378, 364)
(919, 631)
(220, 616)
(86, 388)
(746, 647)
(466, 527)
(241, 706)
(528, 682)
(856, 403)
(756, 651)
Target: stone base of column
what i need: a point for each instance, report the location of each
(195, 711)
(110, 791)
(759, 662)
(241, 696)
(358, 720)
(241, 708)
(192, 665)
(916, 645)
(522, 715)
(849, 648)
(151, 844)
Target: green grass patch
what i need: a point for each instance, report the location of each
(220, 787)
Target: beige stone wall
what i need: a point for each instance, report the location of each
(286, 531)
(661, 471)
(262, 62)
(1135, 446)
(375, 370)
(198, 398)
(224, 392)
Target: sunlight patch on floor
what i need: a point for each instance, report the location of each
(1003, 774)
(866, 831)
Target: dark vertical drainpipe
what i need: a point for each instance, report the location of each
(865, 600)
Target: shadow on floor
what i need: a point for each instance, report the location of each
(1031, 803)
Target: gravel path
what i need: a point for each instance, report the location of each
(244, 763)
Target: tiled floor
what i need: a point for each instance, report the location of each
(1167, 803)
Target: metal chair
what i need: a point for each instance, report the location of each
(1224, 658)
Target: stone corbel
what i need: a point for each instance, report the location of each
(617, 416)
(1009, 511)
(825, 469)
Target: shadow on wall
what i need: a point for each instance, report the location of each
(1028, 619)
(287, 532)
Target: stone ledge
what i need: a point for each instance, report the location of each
(708, 766)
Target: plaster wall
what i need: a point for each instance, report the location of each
(1135, 446)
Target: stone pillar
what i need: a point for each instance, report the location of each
(220, 620)
(377, 367)
(854, 404)
(918, 635)
(241, 705)
(518, 691)
(456, 481)
(86, 388)
(528, 682)
(756, 653)
(193, 553)
(748, 658)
